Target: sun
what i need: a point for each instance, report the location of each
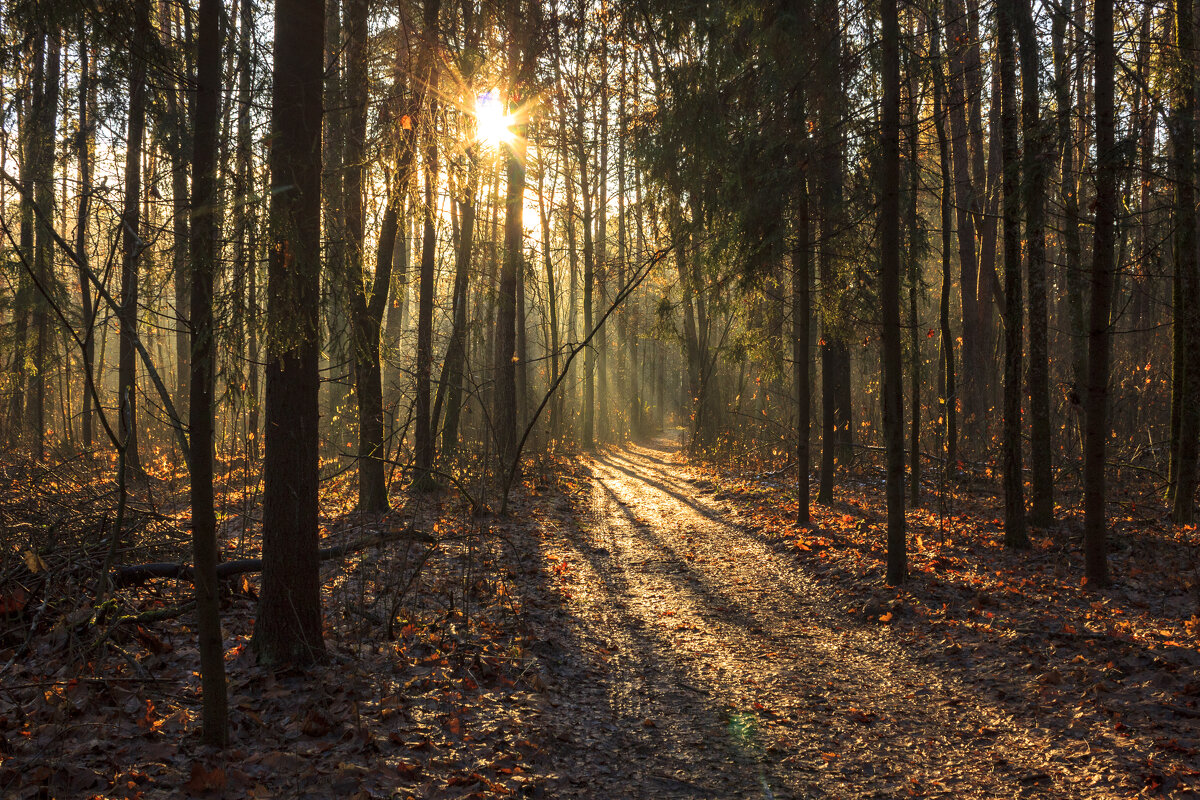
(494, 126)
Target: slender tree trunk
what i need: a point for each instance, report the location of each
(551, 293)
(423, 423)
(244, 261)
(25, 290)
(1187, 312)
(949, 399)
(215, 721)
(914, 250)
(46, 120)
(84, 147)
(288, 627)
(589, 279)
(456, 352)
(1036, 163)
(1096, 424)
(964, 201)
(1015, 534)
(177, 140)
(372, 482)
(131, 241)
(889, 268)
(801, 325)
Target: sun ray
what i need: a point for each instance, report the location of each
(494, 126)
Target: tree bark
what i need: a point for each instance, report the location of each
(215, 720)
(423, 423)
(1015, 534)
(949, 393)
(288, 627)
(892, 380)
(1096, 409)
(367, 298)
(1035, 164)
(131, 241)
(1187, 312)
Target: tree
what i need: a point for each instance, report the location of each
(1015, 534)
(423, 423)
(948, 400)
(288, 626)
(1103, 266)
(1034, 166)
(1187, 309)
(367, 296)
(203, 362)
(889, 294)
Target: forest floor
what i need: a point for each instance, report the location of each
(639, 627)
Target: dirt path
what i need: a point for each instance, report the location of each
(687, 658)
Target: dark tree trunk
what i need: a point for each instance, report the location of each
(288, 627)
(423, 423)
(949, 398)
(1103, 266)
(892, 382)
(1036, 163)
(366, 303)
(177, 140)
(913, 252)
(131, 241)
(1015, 534)
(84, 146)
(835, 354)
(1187, 312)
(244, 260)
(215, 721)
(964, 201)
(46, 120)
(24, 293)
(551, 302)
(589, 279)
(801, 325)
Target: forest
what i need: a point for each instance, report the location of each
(599, 398)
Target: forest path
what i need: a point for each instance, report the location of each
(686, 658)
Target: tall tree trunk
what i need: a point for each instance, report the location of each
(288, 627)
(835, 355)
(177, 140)
(802, 322)
(1187, 312)
(456, 352)
(551, 293)
(892, 381)
(334, 221)
(423, 423)
(1099, 344)
(25, 290)
(244, 261)
(46, 120)
(949, 394)
(1015, 534)
(215, 721)
(1036, 163)
(85, 145)
(964, 201)
(366, 304)
(913, 252)
(131, 241)
(589, 279)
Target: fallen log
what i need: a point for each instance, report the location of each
(136, 574)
